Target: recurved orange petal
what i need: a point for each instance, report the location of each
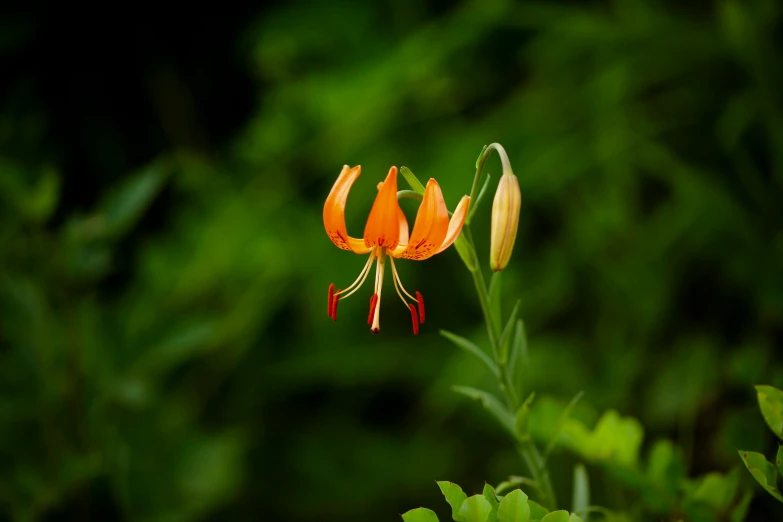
(383, 224)
(334, 212)
(431, 225)
(455, 225)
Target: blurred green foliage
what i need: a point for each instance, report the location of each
(164, 349)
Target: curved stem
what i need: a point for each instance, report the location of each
(527, 448)
(497, 147)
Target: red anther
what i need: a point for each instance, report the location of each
(420, 303)
(335, 300)
(373, 304)
(414, 319)
(329, 302)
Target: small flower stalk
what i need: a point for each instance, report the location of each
(505, 220)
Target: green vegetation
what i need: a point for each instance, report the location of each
(164, 348)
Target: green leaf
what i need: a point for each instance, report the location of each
(557, 516)
(505, 338)
(581, 495)
(763, 471)
(489, 494)
(466, 252)
(472, 349)
(420, 515)
(522, 424)
(537, 511)
(561, 423)
(412, 180)
(492, 404)
(614, 439)
(454, 496)
(478, 160)
(518, 358)
(716, 490)
(779, 459)
(771, 404)
(475, 205)
(125, 205)
(575, 518)
(475, 509)
(514, 507)
(739, 513)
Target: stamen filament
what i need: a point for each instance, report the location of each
(359, 281)
(376, 321)
(399, 281)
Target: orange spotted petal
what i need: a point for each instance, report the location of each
(334, 211)
(431, 226)
(455, 225)
(383, 224)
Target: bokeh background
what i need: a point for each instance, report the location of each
(164, 348)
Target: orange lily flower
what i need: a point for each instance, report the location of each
(386, 238)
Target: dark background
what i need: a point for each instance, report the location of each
(164, 351)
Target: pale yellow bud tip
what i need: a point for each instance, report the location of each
(505, 220)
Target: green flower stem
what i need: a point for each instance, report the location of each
(527, 448)
(485, 152)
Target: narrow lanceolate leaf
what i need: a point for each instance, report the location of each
(454, 496)
(581, 496)
(480, 196)
(412, 180)
(420, 515)
(505, 339)
(518, 359)
(771, 404)
(514, 507)
(474, 350)
(522, 423)
(466, 252)
(489, 494)
(763, 471)
(475, 509)
(561, 422)
(492, 404)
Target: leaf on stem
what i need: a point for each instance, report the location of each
(771, 404)
(763, 471)
(489, 494)
(518, 359)
(505, 338)
(420, 515)
(454, 496)
(472, 349)
(475, 509)
(514, 507)
(480, 196)
(492, 404)
(523, 418)
(560, 423)
(466, 252)
(412, 180)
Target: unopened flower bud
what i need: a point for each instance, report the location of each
(505, 220)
